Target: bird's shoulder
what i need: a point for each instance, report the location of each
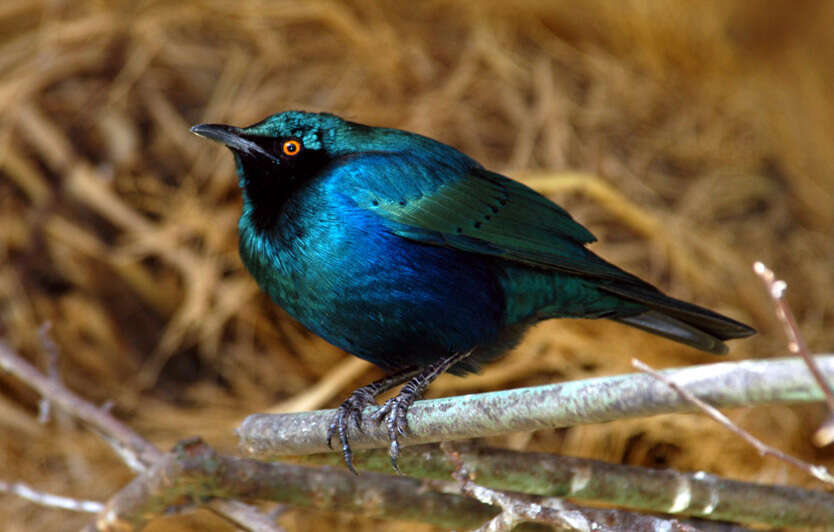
(445, 198)
(448, 192)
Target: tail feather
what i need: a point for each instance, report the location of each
(662, 325)
(680, 321)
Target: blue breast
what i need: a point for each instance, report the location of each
(338, 270)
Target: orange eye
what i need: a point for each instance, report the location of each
(291, 147)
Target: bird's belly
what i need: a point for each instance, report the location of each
(393, 302)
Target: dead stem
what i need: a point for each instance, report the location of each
(817, 471)
(796, 344)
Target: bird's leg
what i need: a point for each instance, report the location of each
(352, 408)
(394, 410)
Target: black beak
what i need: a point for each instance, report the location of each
(233, 138)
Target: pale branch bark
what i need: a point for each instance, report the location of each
(50, 499)
(796, 345)
(630, 487)
(817, 471)
(137, 452)
(727, 384)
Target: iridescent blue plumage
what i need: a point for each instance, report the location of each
(407, 253)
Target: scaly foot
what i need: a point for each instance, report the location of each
(395, 410)
(351, 410)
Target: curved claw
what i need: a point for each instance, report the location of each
(356, 417)
(333, 429)
(395, 414)
(350, 410)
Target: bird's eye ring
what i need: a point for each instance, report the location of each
(291, 147)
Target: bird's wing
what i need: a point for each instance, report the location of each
(475, 210)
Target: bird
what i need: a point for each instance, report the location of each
(407, 253)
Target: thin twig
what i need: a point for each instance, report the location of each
(817, 471)
(61, 396)
(135, 450)
(796, 344)
(51, 500)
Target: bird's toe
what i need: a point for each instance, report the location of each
(350, 410)
(395, 414)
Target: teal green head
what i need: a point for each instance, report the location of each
(282, 148)
(287, 147)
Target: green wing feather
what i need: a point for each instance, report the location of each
(484, 212)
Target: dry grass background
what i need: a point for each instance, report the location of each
(702, 133)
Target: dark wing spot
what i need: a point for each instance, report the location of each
(477, 225)
(402, 202)
(375, 203)
(459, 230)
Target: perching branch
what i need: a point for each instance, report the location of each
(728, 384)
(584, 480)
(595, 400)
